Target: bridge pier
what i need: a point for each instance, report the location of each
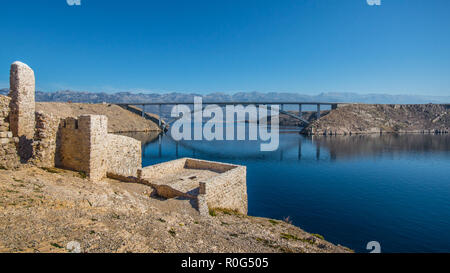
(318, 110)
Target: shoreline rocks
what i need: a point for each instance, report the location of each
(383, 118)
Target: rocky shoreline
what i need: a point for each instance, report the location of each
(353, 119)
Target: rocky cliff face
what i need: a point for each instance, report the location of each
(383, 118)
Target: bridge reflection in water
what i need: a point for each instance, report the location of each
(293, 147)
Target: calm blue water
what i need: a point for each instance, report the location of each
(352, 190)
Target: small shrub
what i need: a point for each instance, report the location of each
(115, 216)
(318, 236)
(289, 237)
(82, 175)
(56, 245)
(310, 240)
(212, 212)
(172, 232)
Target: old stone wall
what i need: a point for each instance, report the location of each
(81, 145)
(123, 155)
(84, 144)
(208, 165)
(45, 139)
(227, 190)
(9, 158)
(158, 171)
(73, 152)
(98, 130)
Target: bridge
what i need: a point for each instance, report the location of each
(134, 107)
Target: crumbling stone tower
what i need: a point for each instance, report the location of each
(83, 145)
(22, 105)
(22, 108)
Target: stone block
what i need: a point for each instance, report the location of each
(22, 104)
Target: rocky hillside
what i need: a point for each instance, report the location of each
(310, 116)
(43, 210)
(385, 118)
(119, 119)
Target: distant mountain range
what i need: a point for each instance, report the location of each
(129, 97)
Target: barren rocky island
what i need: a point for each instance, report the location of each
(382, 118)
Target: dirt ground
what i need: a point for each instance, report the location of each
(119, 119)
(42, 210)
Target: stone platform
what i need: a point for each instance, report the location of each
(213, 184)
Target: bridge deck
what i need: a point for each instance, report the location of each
(223, 103)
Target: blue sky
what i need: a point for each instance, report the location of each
(305, 46)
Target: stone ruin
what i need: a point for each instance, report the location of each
(83, 144)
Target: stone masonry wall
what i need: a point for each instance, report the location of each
(45, 140)
(227, 190)
(158, 171)
(98, 131)
(124, 155)
(84, 144)
(81, 145)
(73, 151)
(208, 165)
(9, 158)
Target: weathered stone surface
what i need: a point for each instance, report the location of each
(213, 184)
(22, 88)
(84, 144)
(78, 139)
(45, 139)
(9, 158)
(124, 155)
(6, 135)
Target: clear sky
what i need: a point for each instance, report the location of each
(305, 46)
